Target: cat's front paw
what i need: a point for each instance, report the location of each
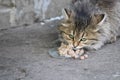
(85, 56)
(78, 54)
(64, 50)
(82, 54)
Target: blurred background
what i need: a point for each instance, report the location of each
(25, 42)
(20, 12)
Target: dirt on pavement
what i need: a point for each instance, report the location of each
(24, 56)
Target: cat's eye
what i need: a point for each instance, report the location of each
(71, 36)
(83, 39)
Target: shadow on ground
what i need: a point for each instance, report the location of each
(24, 56)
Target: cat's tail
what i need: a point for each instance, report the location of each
(101, 3)
(105, 3)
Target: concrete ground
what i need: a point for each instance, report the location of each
(24, 56)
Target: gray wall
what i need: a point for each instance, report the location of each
(19, 12)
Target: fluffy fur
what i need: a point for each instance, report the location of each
(89, 24)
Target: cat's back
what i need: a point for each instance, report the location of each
(112, 10)
(114, 17)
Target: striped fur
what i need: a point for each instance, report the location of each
(94, 21)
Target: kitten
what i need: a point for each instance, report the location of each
(88, 25)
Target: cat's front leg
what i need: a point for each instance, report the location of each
(81, 53)
(67, 51)
(113, 39)
(78, 54)
(64, 50)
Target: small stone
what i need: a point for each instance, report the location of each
(77, 52)
(81, 52)
(86, 56)
(76, 56)
(82, 57)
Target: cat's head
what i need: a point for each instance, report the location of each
(81, 34)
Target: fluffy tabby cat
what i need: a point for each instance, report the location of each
(88, 25)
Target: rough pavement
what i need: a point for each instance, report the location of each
(24, 56)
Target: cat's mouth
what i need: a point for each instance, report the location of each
(75, 49)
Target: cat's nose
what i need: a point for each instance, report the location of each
(74, 48)
(75, 44)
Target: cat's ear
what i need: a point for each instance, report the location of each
(66, 14)
(99, 19)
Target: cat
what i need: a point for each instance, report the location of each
(88, 25)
